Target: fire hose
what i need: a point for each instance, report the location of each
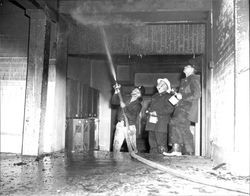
(151, 163)
(167, 169)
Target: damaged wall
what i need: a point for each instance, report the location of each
(14, 36)
(13, 64)
(242, 89)
(223, 80)
(225, 134)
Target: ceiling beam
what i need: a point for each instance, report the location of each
(141, 18)
(49, 11)
(24, 4)
(133, 57)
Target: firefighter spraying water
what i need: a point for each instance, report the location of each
(143, 160)
(111, 67)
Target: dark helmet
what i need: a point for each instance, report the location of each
(142, 89)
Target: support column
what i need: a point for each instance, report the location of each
(36, 81)
(60, 87)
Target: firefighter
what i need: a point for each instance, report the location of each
(131, 108)
(159, 112)
(186, 111)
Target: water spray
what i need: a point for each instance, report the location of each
(111, 67)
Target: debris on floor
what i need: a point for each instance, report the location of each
(105, 173)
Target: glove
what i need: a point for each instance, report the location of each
(179, 96)
(122, 104)
(117, 88)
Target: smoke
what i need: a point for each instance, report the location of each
(96, 19)
(107, 13)
(140, 38)
(116, 6)
(98, 13)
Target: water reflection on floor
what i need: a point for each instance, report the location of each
(103, 173)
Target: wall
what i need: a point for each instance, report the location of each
(224, 97)
(242, 90)
(222, 134)
(79, 69)
(14, 31)
(13, 64)
(14, 36)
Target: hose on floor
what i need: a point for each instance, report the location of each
(184, 176)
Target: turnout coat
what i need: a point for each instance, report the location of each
(163, 108)
(191, 92)
(132, 109)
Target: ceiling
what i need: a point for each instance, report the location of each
(151, 11)
(136, 11)
(132, 12)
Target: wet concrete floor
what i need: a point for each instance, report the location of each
(103, 173)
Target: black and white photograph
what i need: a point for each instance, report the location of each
(124, 98)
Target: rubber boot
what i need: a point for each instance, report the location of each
(176, 151)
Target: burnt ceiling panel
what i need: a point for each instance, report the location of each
(135, 27)
(146, 40)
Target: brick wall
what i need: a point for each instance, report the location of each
(242, 90)
(222, 134)
(148, 39)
